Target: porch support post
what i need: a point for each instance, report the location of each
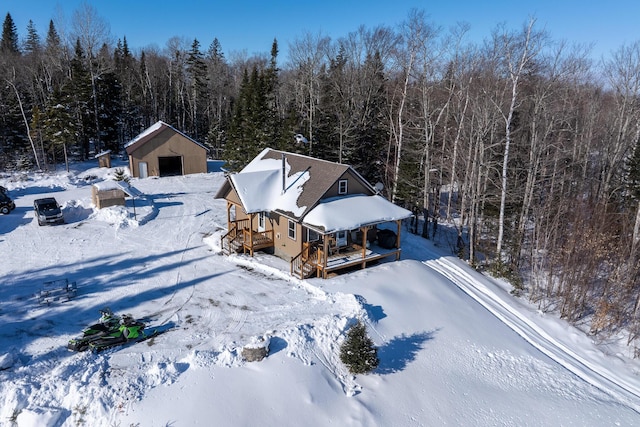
(364, 230)
(399, 224)
(228, 223)
(325, 255)
(251, 216)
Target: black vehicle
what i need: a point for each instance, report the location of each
(6, 204)
(48, 211)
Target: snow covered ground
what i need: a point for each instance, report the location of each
(455, 348)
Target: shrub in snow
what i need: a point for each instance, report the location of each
(358, 352)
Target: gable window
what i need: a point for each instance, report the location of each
(292, 230)
(342, 186)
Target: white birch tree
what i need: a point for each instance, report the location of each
(517, 51)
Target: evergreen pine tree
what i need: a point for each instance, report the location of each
(108, 91)
(270, 76)
(131, 91)
(14, 144)
(58, 127)
(53, 44)
(235, 151)
(197, 73)
(9, 41)
(357, 350)
(78, 96)
(32, 43)
(250, 130)
(215, 50)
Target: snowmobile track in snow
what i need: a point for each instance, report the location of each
(607, 382)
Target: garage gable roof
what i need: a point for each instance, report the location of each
(152, 131)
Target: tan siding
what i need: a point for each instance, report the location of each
(232, 196)
(354, 186)
(284, 247)
(168, 143)
(105, 198)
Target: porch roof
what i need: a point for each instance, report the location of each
(348, 213)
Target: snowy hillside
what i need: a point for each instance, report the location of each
(455, 348)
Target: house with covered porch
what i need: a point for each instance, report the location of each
(320, 216)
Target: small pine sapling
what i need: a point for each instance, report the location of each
(120, 175)
(358, 352)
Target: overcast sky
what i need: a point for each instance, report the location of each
(251, 25)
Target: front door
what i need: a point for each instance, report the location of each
(341, 239)
(143, 169)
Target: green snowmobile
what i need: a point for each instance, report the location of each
(109, 331)
(108, 323)
(130, 330)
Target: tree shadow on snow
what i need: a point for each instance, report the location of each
(67, 321)
(400, 351)
(18, 217)
(35, 190)
(375, 312)
(23, 319)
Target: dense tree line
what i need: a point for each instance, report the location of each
(529, 147)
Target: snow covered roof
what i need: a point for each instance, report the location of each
(348, 213)
(307, 180)
(107, 185)
(260, 187)
(315, 175)
(102, 153)
(150, 132)
(118, 185)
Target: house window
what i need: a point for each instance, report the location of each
(292, 230)
(342, 186)
(312, 235)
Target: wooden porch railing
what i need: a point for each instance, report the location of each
(240, 236)
(306, 262)
(254, 240)
(231, 241)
